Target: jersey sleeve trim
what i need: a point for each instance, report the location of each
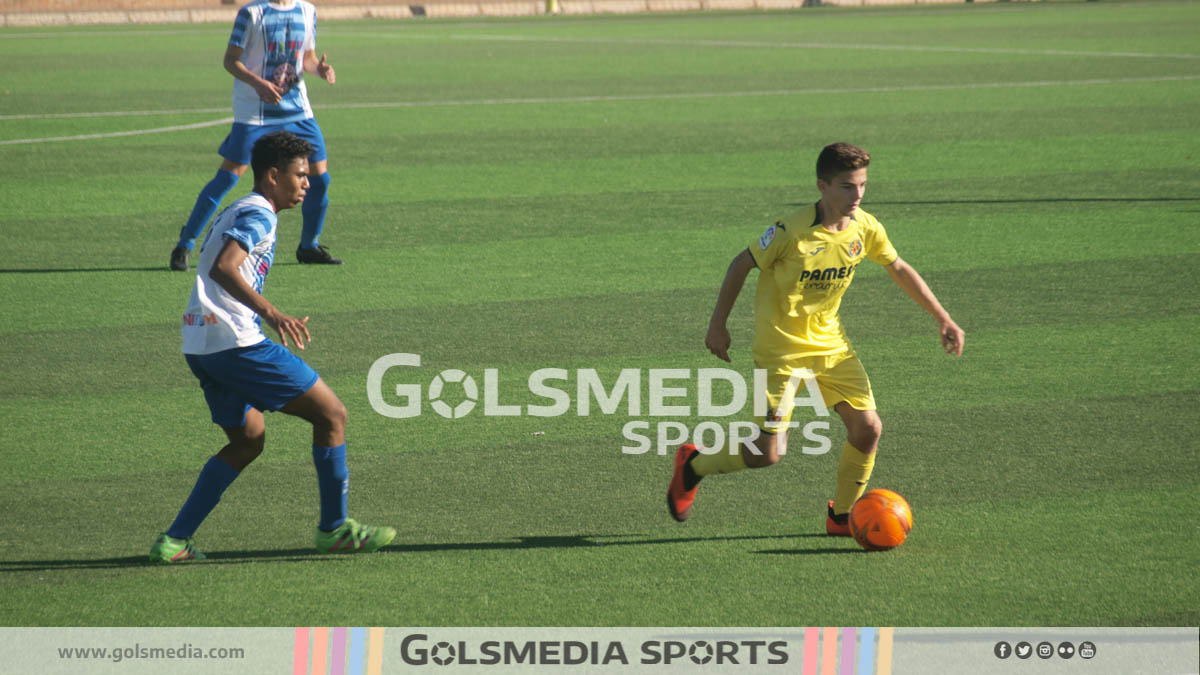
(250, 226)
(240, 25)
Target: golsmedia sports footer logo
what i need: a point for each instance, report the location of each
(420, 649)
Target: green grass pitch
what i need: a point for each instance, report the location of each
(567, 192)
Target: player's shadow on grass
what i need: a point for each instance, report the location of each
(519, 543)
(293, 555)
(154, 268)
(810, 551)
(591, 541)
(580, 541)
(67, 564)
(1043, 200)
(60, 270)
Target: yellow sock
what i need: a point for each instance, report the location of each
(853, 472)
(722, 462)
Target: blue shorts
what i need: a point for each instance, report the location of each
(264, 376)
(242, 137)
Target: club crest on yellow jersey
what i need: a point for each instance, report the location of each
(855, 248)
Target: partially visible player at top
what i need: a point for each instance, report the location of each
(273, 43)
(806, 262)
(242, 372)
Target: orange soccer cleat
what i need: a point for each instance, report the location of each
(837, 525)
(679, 499)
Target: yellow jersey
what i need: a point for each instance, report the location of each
(804, 269)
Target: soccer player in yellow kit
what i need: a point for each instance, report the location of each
(805, 264)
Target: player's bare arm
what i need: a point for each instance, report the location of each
(953, 338)
(267, 91)
(225, 273)
(318, 66)
(718, 339)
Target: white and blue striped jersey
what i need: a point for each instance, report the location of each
(273, 41)
(214, 320)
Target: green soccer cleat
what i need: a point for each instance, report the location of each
(352, 537)
(168, 549)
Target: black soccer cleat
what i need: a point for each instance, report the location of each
(316, 256)
(179, 259)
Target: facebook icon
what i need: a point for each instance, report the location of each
(1003, 650)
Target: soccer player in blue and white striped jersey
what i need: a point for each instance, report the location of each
(243, 373)
(272, 44)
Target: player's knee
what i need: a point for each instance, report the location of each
(334, 416)
(241, 452)
(873, 431)
(768, 452)
(255, 444)
(253, 436)
(865, 436)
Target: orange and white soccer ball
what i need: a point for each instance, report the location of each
(880, 520)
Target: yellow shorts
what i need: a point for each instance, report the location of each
(839, 377)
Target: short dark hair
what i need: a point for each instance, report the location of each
(277, 149)
(838, 157)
